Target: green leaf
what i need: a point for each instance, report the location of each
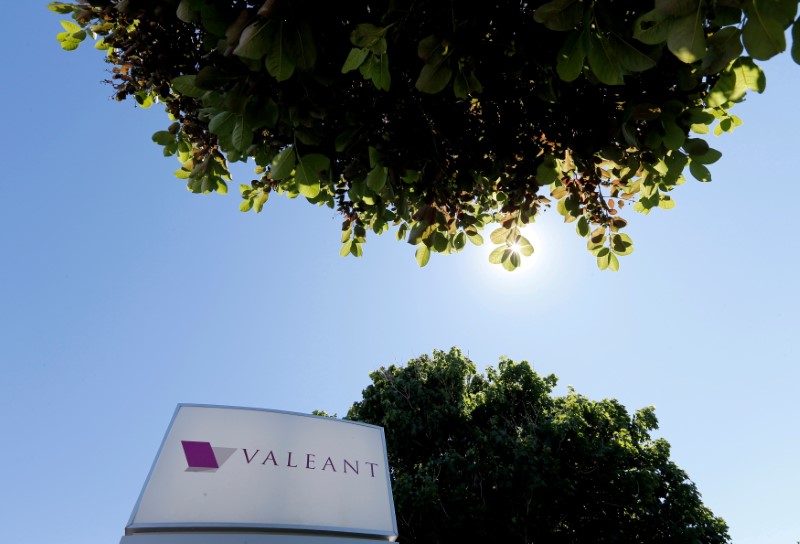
(423, 254)
(686, 38)
(381, 77)
(796, 41)
(630, 58)
(369, 36)
(185, 85)
(71, 27)
(603, 61)
(582, 227)
(60, 7)
(433, 78)
(674, 136)
(346, 248)
(185, 13)
(511, 261)
(242, 135)
(496, 256)
(762, 35)
(666, 202)
(559, 15)
(376, 178)
(254, 41)
(301, 47)
(523, 246)
(652, 28)
(355, 59)
(621, 244)
(677, 8)
(727, 88)
(308, 173)
(782, 11)
(283, 163)
(699, 171)
(603, 259)
(475, 238)
(459, 241)
(696, 146)
(440, 242)
(466, 84)
(499, 235)
(222, 124)
(571, 57)
(278, 62)
(709, 157)
(751, 75)
(723, 47)
(548, 171)
(163, 137)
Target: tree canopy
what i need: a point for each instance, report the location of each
(498, 458)
(439, 118)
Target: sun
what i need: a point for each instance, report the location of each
(554, 251)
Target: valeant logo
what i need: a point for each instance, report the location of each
(202, 457)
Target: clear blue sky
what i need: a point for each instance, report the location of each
(122, 294)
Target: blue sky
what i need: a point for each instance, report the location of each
(122, 295)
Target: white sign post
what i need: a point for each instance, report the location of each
(231, 475)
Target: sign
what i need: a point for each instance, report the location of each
(224, 468)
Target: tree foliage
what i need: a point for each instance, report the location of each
(440, 118)
(499, 458)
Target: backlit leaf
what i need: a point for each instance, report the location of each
(283, 163)
(621, 244)
(582, 227)
(423, 254)
(499, 235)
(496, 256)
(686, 38)
(523, 246)
(751, 75)
(376, 178)
(309, 171)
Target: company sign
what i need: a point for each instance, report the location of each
(263, 470)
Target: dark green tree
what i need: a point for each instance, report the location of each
(499, 458)
(438, 117)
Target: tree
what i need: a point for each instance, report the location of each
(498, 458)
(439, 117)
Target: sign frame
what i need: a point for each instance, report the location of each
(134, 528)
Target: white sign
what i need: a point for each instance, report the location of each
(243, 468)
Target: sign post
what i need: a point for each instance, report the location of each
(227, 475)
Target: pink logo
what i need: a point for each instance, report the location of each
(202, 457)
